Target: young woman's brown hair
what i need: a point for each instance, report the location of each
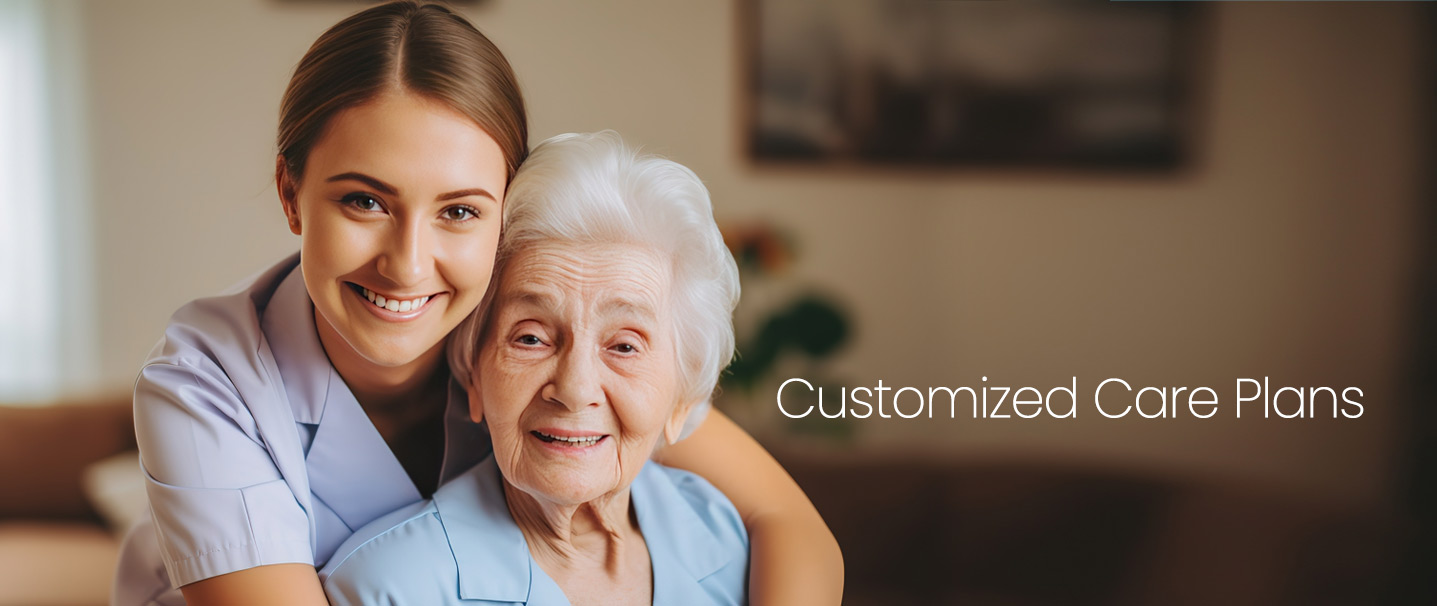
(413, 47)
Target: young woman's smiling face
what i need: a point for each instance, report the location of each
(399, 211)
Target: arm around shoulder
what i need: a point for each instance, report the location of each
(279, 584)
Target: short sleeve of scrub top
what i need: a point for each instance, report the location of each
(254, 450)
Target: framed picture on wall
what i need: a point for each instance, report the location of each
(951, 83)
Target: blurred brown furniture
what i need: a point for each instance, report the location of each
(54, 548)
(1030, 533)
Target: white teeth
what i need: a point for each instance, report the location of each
(394, 304)
(588, 441)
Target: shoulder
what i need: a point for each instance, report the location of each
(213, 350)
(213, 329)
(707, 502)
(211, 386)
(689, 522)
(405, 553)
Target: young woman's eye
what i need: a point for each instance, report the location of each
(362, 202)
(459, 214)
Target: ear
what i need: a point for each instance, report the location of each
(476, 403)
(287, 194)
(674, 427)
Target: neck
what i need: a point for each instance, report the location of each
(597, 535)
(385, 389)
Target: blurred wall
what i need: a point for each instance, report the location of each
(1284, 251)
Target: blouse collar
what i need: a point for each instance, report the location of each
(495, 564)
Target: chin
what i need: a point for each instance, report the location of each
(564, 489)
(569, 496)
(392, 354)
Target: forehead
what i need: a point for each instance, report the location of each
(408, 139)
(595, 278)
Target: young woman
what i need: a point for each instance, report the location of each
(275, 420)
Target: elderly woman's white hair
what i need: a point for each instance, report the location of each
(593, 189)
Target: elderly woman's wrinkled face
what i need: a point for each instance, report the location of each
(577, 373)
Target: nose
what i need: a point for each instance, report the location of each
(576, 383)
(408, 253)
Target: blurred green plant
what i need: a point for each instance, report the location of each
(810, 326)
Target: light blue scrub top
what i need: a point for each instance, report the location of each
(463, 547)
(255, 451)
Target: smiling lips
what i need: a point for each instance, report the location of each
(568, 441)
(393, 304)
(398, 306)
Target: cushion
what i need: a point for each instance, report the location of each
(115, 487)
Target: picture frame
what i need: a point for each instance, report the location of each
(1088, 85)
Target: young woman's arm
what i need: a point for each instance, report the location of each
(794, 559)
(279, 584)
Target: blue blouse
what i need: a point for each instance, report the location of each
(254, 449)
(463, 547)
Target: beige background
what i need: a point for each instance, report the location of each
(1285, 251)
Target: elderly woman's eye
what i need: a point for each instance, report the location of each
(529, 340)
(625, 348)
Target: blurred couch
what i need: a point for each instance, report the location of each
(55, 547)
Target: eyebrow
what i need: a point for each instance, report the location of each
(384, 188)
(628, 306)
(625, 305)
(390, 190)
(473, 191)
(535, 299)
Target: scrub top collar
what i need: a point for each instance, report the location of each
(495, 564)
(361, 478)
(288, 326)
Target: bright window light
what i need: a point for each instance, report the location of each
(28, 343)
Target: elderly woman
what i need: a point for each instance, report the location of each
(602, 340)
